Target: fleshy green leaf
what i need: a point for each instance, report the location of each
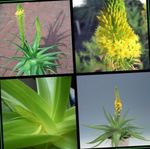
(44, 88)
(15, 90)
(43, 50)
(27, 140)
(100, 138)
(68, 141)
(61, 97)
(7, 116)
(137, 135)
(37, 38)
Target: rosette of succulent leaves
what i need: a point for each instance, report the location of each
(119, 127)
(35, 60)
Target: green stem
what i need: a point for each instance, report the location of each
(20, 20)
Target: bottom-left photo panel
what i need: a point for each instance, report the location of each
(39, 113)
(1, 142)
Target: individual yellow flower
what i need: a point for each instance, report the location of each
(111, 52)
(19, 12)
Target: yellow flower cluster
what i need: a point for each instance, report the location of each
(118, 105)
(114, 36)
(122, 49)
(117, 102)
(19, 12)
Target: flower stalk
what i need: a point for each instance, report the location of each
(117, 103)
(20, 20)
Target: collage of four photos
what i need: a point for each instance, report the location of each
(74, 74)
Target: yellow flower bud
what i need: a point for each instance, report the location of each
(118, 105)
(117, 102)
(19, 12)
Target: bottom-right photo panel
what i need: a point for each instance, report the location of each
(114, 110)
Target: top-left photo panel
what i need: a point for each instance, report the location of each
(35, 38)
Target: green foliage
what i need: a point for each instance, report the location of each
(137, 18)
(118, 128)
(35, 60)
(88, 60)
(92, 47)
(41, 119)
(82, 65)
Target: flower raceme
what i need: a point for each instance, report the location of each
(114, 36)
(117, 102)
(20, 21)
(118, 105)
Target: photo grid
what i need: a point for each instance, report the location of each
(75, 74)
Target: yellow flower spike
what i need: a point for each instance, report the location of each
(20, 20)
(19, 12)
(115, 37)
(117, 103)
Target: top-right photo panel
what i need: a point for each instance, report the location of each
(110, 35)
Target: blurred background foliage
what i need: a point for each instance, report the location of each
(87, 58)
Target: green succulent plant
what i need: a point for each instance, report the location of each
(35, 60)
(119, 127)
(41, 119)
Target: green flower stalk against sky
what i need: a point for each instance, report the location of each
(116, 39)
(41, 119)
